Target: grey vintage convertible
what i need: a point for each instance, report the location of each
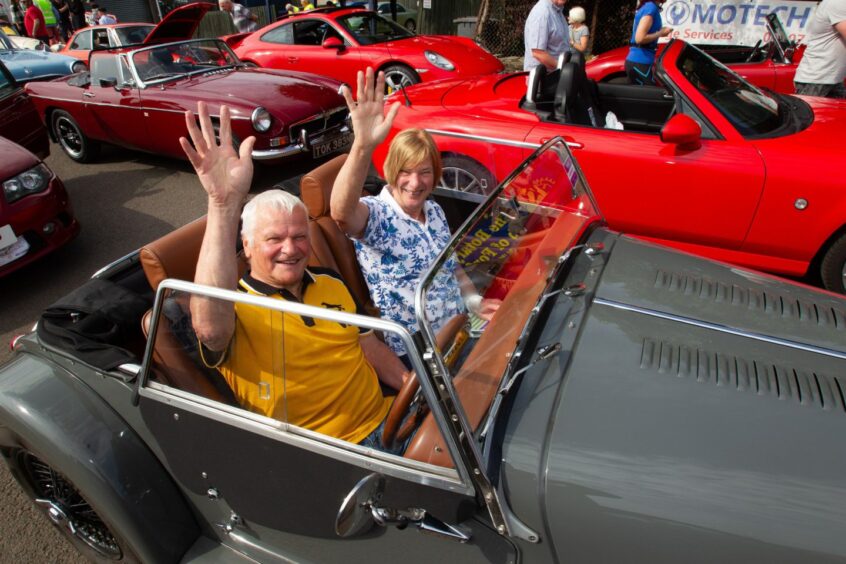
(626, 403)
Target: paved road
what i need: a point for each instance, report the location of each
(123, 201)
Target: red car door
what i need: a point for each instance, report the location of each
(706, 195)
(308, 54)
(761, 74)
(111, 103)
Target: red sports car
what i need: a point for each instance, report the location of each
(338, 42)
(769, 64)
(104, 37)
(35, 213)
(136, 97)
(708, 163)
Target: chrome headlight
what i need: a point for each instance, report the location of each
(439, 61)
(32, 181)
(78, 66)
(261, 120)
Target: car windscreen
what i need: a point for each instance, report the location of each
(748, 109)
(172, 60)
(131, 35)
(505, 256)
(369, 28)
(5, 42)
(778, 32)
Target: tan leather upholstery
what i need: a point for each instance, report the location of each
(330, 247)
(174, 255)
(173, 367)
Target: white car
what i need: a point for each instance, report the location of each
(405, 17)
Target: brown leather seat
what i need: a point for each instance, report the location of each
(330, 247)
(175, 256)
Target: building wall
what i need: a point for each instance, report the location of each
(129, 10)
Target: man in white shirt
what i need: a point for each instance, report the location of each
(545, 34)
(244, 20)
(823, 66)
(104, 18)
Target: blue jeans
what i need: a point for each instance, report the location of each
(374, 441)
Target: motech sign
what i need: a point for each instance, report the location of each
(735, 22)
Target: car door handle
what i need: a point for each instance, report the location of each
(88, 94)
(570, 143)
(293, 59)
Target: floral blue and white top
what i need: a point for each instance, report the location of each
(395, 252)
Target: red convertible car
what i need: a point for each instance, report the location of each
(708, 163)
(768, 64)
(135, 97)
(338, 42)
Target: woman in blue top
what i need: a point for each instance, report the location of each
(646, 31)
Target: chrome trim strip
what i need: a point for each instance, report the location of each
(265, 154)
(336, 449)
(464, 484)
(144, 108)
(721, 328)
(494, 140)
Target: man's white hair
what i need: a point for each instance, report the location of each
(271, 200)
(577, 14)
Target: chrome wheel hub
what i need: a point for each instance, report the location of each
(460, 180)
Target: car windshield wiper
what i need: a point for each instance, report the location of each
(162, 75)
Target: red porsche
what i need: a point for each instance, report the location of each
(707, 163)
(339, 42)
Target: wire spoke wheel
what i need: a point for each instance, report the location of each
(63, 504)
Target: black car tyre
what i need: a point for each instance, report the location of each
(73, 141)
(66, 507)
(833, 266)
(411, 26)
(463, 174)
(399, 75)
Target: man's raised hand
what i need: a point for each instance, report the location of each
(225, 175)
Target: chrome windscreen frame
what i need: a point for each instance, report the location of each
(504, 520)
(458, 481)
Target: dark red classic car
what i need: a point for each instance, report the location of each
(136, 97)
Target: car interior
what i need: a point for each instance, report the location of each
(566, 95)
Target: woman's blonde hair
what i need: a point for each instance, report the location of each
(410, 148)
(577, 14)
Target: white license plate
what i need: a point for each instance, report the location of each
(335, 144)
(18, 249)
(7, 236)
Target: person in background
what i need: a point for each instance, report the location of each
(77, 13)
(579, 32)
(34, 22)
(50, 18)
(307, 5)
(646, 30)
(93, 14)
(244, 20)
(17, 17)
(823, 66)
(545, 34)
(104, 17)
(61, 9)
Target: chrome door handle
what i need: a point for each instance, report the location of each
(88, 94)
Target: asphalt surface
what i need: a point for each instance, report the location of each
(123, 201)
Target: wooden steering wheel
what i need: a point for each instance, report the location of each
(399, 408)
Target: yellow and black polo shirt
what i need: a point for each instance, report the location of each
(309, 372)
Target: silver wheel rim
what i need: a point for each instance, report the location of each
(843, 277)
(410, 26)
(69, 136)
(396, 79)
(462, 180)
